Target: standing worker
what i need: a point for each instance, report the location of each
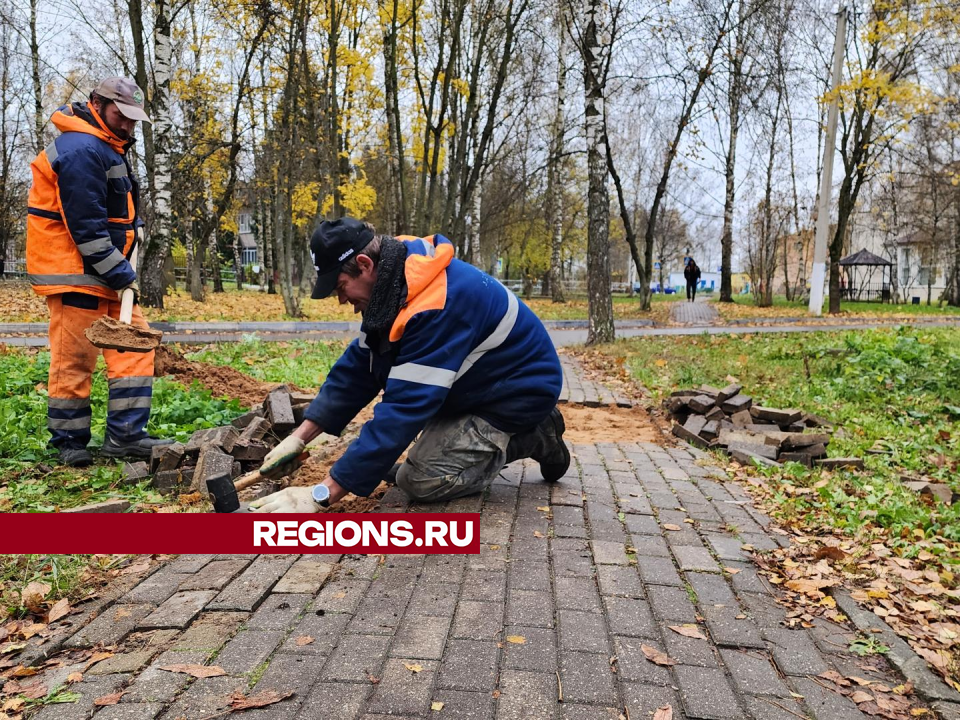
(461, 362)
(691, 274)
(82, 220)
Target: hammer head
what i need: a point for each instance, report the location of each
(223, 493)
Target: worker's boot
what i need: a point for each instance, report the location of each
(141, 448)
(545, 445)
(75, 456)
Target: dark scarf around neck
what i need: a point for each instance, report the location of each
(390, 290)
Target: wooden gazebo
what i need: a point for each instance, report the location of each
(858, 277)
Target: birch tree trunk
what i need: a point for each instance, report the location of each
(600, 303)
(158, 242)
(735, 94)
(38, 119)
(556, 162)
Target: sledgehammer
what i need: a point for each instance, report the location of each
(224, 490)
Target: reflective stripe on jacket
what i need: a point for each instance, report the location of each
(461, 344)
(82, 209)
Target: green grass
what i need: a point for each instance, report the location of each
(893, 389)
(305, 364)
(30, 480)
(873, 308)
(69, 576)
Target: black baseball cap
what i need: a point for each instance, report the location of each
(332, 244)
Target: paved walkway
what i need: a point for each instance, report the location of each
(699, 313)
(573, 580)
(561, 334)
(581, 390)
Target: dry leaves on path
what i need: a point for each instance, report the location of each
(664, 712)
(60, 609)
(303, 640)
(111, 699)
(657, 657)
(31, 597)
(874, 698)
(197, 671)
(688, 630)
(239, 701)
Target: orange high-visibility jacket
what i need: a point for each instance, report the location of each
(82, 209)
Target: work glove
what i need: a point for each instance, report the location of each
(288, 500)
(279, 461)
(135, 286)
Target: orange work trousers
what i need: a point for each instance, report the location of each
(73, 360)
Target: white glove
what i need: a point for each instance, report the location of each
(283, 454)
(288, 500)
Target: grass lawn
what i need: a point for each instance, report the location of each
(895, 390)
(743, 307)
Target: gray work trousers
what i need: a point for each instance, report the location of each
(453, 457)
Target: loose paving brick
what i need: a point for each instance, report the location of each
(753, 673)
(695, 559)
(730, 627)
(620, 581)
(247, 650)
(658, 571)
(794, 652)
(690, 651)
(825, 704)
(671, 603)
(130, 711)
(462, 705)
(585, 632)
(324, 628)
(248, 590)
(526, 695)
(160, 686)
(576, 593)
(111, 626)
(334, 700)
(717, 703)
(469, 665)
(278, 612)
(587, 678)
(401, 691)
(214, 575)
(530, 607)
(632, 664)
(356, 658)
(421, 637)
(609, 553)
(477, 620)
(630, 616)
(643, 700)
(537, 651)
(210, 631)
(178, 611)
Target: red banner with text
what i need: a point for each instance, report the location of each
(193, 533)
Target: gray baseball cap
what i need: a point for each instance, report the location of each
(125, 93)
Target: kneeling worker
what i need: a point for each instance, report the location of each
(460, 360)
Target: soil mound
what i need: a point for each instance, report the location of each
(221, 381)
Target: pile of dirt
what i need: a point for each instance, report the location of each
(111, 334)
(220, 381)
(608, 424)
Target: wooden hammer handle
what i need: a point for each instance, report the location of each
(252, 478)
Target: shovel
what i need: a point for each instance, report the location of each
(110, 334)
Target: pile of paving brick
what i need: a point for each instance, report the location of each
(236, 449)
(726, 419)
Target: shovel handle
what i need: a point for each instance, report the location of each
(126, 297)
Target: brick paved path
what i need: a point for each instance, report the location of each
(696, 313)
(581, 390)
(586, 571)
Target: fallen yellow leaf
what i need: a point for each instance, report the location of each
(516, 639)
(671, 526)
(688, 630)
(436, 706)
(413, 667)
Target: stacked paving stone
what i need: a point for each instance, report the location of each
(231, 449)
(728, 420)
